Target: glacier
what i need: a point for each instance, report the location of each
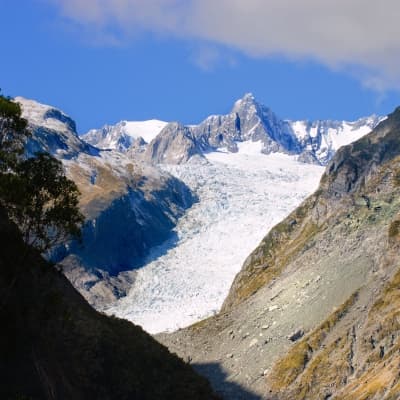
(241, 196)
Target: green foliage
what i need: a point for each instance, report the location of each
(35, 192)
(41, 201)
(13, 133)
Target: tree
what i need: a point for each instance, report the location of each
(35, 192)
(13, 133)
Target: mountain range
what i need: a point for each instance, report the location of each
(249, 120)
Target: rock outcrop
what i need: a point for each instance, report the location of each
(175, 144)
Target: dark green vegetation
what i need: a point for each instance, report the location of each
(13, 131)
(53, 345)
(34, 192)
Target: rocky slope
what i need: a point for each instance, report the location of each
(53, 345)
(130, 207)
(314, 312)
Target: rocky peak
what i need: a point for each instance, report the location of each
(52, 130)
(249, 120)
(247, 104)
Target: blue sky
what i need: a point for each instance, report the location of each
(106, 60)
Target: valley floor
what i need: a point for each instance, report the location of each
(241, 196)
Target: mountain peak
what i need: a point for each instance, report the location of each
(52, 130)
(248, 97)
(245, 102)
(44, 115)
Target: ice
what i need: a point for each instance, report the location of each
(241, 196)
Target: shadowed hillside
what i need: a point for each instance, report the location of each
(53, 345)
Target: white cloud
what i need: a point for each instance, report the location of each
(337, 33)
(127, 15)
(206, 57)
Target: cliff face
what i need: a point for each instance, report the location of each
(354, 353)
(127, 213)
(175, 144)
(53, 345)
(314, 312)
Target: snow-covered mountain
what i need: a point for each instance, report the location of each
(124, 134)
(161, 142)
(322, 138)
(53, 131)
(248, 120)
(312, 141)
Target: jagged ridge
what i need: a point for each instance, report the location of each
(249, 120)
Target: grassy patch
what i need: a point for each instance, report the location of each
(200, 324)
(396, 177)
(324, 372)
(390, 296)
(394, 229)
(299, 357)
(290, 367)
